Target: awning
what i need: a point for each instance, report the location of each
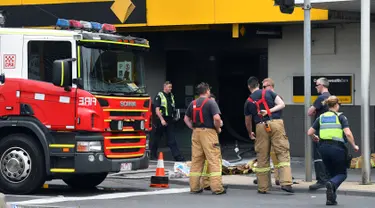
(337, 5)
(340, 10)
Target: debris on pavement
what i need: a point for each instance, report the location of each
(356, 163)
(182, 169)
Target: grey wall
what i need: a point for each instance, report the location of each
(155, 72)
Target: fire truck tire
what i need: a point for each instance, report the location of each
(85, 181)
(22, 167)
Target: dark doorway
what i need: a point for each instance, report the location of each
(234, 68)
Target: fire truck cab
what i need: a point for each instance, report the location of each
(73, 105)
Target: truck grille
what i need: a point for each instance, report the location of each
(117, 146)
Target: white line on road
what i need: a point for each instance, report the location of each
(27, 196)
(103, 196)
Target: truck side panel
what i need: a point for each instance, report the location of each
(11, 55)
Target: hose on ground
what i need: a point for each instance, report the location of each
(232, 132)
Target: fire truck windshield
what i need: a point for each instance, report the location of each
(112, 70)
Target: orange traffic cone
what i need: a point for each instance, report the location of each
(160, 180)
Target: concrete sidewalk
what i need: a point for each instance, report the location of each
(246, 182)
(351, 186)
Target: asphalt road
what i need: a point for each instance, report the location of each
(114, 193)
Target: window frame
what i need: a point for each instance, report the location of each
(28, 39)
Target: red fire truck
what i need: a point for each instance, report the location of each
(73, 105)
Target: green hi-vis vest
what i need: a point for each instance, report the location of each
(330, 127)
(164, 104)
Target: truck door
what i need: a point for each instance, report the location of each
(52, 105)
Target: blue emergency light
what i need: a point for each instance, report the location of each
(63, 23)
(96, 26)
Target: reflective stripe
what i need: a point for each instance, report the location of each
(213, 174)
(64, 99)
(195, 174)
(283, 164)
(330, 126)
(262, 170)
(338, 139)
(204, 172)
(39, 96)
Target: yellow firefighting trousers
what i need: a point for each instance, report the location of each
(205, 176)
(278, 139)
(275, 164)
(205, 146)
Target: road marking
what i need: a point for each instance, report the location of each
(103, 196)
(27, 196)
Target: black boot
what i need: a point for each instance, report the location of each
(331, 194)
(316, 186)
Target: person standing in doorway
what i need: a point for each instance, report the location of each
(264, 106)
(203, 117)
(317, 109)
(165, 110)
(334, 132)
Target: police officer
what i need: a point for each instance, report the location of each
(264, 106)
(334, 132)
(203, 117)
(165, 110)
(315, 111)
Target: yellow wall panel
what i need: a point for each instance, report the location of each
(241, 11)
(10, 2)
(180, 12)
(186, 12)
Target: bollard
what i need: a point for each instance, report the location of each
(3, 204)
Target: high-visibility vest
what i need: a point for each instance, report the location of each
(330, 127)
(164, 103)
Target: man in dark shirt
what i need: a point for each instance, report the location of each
(264, 106)
(165, 110)
(203, 117)
(317, 109)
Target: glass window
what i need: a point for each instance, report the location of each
(42, 54)
(112, 70)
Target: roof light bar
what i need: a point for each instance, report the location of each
(86, 25)
(75, 24)
(68, 24)
(63, 23)
(96, 26)
(108, 28)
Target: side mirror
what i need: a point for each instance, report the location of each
(62, 73)
(2, 78)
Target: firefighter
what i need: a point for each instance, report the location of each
(315, 111)
(203, 117)
(264, 106)
(205, 174)
(269, 84)
(165, 110)
(334, 132)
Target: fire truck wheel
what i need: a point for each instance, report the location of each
(22, 164)
(85, 181)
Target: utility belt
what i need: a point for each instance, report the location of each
(201, 126)
(349, 157)
(265, 122)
